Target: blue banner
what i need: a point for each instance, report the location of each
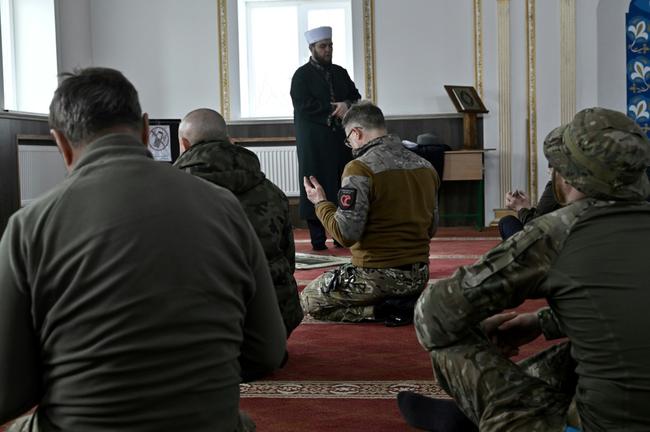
(638, 63)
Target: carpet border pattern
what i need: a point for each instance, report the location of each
(338, 389)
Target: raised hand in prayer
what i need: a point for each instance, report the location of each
(517, 200)
(314, 190)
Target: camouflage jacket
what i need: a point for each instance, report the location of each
(589, 260)
(503, 278)
(267, 207)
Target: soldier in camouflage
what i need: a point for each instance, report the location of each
(589, 260)
(210, 155)
(386, 214)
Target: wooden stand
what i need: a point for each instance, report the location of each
(467, 165)
(469, 131)
(501, 212)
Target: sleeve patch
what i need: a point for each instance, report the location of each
(347, 197)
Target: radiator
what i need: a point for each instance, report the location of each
(40, 168)
(280, 164)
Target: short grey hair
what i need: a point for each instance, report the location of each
(366, 115)
(203, 124)
(89, 102)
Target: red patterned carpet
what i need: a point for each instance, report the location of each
(344, 377)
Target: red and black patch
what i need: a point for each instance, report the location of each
(347, 198)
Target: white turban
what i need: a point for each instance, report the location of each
(318, 34)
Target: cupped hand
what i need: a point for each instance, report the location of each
(340, 108)
(314, 190)
(517, 200)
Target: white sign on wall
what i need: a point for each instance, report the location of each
(160, 143)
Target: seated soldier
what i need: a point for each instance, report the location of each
(387, 210)
(519, 202)
(589, 260)
(209, 154)
(134, 297)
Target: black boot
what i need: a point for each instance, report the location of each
(395, 311)
(317, 234)
(434, 415)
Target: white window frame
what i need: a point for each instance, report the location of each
(8, 80)
(242, 89)
(13, 96)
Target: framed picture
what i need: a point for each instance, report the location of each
(465, 99)
(163, 139)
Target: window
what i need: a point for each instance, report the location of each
(29, 64)
(272, 46)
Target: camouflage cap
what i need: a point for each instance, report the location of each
(602, 153)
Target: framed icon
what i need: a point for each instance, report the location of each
(465, 99)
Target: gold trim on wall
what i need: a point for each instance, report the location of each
(567, 60)
(224, 64)
(505, 132)
(531, 154)
(368, 55)
(478, 47)
(369, 49)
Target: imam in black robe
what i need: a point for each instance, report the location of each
(320, 142)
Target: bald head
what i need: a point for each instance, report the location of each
(201, 125)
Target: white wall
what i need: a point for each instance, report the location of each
(422, 45)
(73, 34)
(587, 71)
(548, 81)
(600, 63)
(611, 42)
(167, 48)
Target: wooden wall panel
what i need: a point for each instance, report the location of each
(456, 197)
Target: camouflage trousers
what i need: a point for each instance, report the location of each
(28, 423)
(535, 395)
(349, 293)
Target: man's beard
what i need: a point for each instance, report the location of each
(321, 60)
(558, 192)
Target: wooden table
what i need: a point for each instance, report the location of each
(467, 165)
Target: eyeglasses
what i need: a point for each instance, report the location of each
(347, 138)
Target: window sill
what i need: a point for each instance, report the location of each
(18, 115)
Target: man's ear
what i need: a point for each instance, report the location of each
(65, 147)
(185, 144)
(360, 134)
(145, 129)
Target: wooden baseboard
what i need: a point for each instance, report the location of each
(501, 212)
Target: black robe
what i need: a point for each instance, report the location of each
(321, 151)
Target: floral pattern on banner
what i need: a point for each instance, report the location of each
(638, 63)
